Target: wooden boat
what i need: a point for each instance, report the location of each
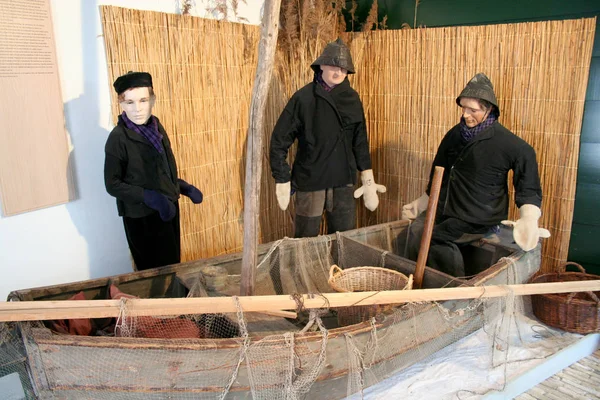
(204, 368)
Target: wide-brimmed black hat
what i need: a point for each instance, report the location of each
(479, 87)
(336, 54)
(132, 80)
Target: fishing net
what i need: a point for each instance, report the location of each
(250, 355)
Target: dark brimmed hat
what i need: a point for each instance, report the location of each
(132, 80)
(479, 87)
(336, 54)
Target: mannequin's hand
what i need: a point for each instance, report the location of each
(369, 190)
(416, 207)
(159, 202)
(283, 192)
(190, 191)
(525, 230)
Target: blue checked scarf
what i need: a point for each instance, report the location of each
(149, 131)
(469, 133)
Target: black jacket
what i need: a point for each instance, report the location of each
(132, 164)
(475, 183)
(332, 138)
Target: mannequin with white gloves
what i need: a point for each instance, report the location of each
(327, 120)
(477, 155)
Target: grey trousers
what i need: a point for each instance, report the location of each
(340, 210)
(447, 237)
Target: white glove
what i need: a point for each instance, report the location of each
(282, 191)
(525, 231)
(369, 190)
(412, 210)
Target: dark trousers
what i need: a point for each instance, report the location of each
(447, 237)
(152, 241)
(340, 210)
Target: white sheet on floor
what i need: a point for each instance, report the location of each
(463, 370)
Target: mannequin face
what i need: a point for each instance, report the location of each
(137, 104)
(473, 112)
(333, 75)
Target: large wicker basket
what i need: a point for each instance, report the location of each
(573, 312)
(365, 279)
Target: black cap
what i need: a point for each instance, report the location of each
(336, 54)
(479, 87)
(132, 80)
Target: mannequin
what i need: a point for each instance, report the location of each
(477, 155)
(141, 173)
(326, 118)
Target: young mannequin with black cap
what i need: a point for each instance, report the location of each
(141, 173)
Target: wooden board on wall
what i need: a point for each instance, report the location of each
(34, 155)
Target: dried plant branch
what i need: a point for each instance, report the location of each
(223, 9)
(186, 6)
(417, 2)
(371, 21)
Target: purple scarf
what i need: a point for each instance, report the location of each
(319, 79)
(469, 133)
(149, 131)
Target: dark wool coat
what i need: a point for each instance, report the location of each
(132, 164)
(474, 186)
(332, 138)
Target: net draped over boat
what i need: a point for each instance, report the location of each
(249, 355)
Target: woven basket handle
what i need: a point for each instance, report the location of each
(409, 285)
(333, 271)
(591, 294)
(563, 268)
(594, 297)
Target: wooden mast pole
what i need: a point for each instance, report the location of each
(254, 148)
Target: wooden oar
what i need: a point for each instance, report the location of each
(44, 310)
(434, 195)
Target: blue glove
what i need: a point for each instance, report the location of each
(190, 191)
(159, 202)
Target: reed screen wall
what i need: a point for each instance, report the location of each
(203, 72)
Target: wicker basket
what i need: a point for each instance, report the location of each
(573, 312)
(365, 279)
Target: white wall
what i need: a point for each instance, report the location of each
(84, 238)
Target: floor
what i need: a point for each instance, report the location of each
(580, 381)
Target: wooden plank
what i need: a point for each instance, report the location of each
(254, 152)
(33, 311)
(35, 171)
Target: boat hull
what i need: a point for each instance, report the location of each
(60, 365)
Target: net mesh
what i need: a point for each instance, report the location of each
(250, 355)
